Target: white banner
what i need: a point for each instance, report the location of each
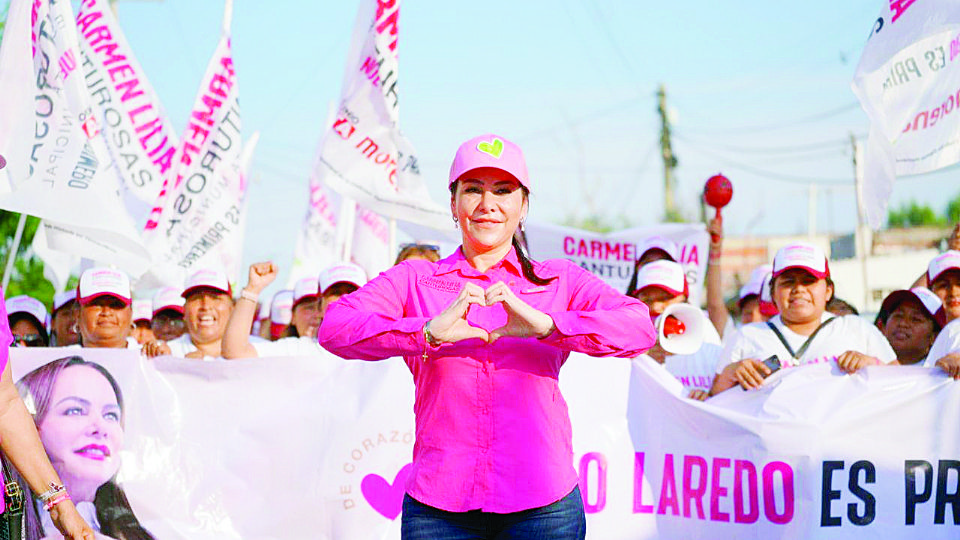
(319, 447)
(197, 221)
(612, 256)
(58, 167)
(134, 126)
(364, 155)
(908, 82)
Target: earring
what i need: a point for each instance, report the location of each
(521, 226)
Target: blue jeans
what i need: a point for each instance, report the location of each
(562, 520)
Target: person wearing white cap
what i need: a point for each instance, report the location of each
(943, 275)
(281, 314)
(142, 313)
(804, 332)
(63, 319)
(308, 308)
(206, 309)
(26, 316)
(749, 302)
(910, 320)
(661, 284)
(105, 309)
(167, 320)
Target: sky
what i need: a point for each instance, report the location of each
(759, 91)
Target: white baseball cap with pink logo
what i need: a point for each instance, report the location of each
(62, 298)
(29, 305)
(931, 303)
(304, 288)
(342, 273)
(142, 309)
(754, 286)
(948, 260)
(207, 278)
(102, 281)
(167, 298)
(663, 274)
(801, 255)
(663, 244)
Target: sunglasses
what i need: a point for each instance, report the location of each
(29, 340)
(432, 247)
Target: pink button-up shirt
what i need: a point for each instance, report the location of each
(493, 431)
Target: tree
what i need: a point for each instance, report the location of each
(27, 276)
(913, 214)
(953, 210)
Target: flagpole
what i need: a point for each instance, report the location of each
(12, 255)
(392, 254)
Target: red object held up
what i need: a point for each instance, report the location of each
(718, 191)
(673, 326)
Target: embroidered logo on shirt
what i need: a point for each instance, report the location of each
(440, 284)
(534, 289)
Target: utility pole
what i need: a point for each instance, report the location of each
(669, 160)
(863, 234)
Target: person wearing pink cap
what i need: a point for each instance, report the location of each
(661, 284)
(21, 446)
(310, 300)
(63, 319)
(26, 316)
(106, 314)
(804, 332)
(910, 320)
(167, 320)
(485, 332)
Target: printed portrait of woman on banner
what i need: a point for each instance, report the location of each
(78, 408)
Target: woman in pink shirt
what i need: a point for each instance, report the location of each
(484, 333)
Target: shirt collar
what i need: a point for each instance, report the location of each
(776, 320)
(457, 262)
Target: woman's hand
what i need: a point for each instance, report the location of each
(750, 373)
(68, 521)
(451, 325)
(260, 275)
(951, 364)
(522, 319)
(852, 361)
(152, 349)
(699, 395)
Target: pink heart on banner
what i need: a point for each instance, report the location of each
(384, 497)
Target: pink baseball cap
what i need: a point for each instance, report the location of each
(167, 298)
(801, 255)
(342, 273)
(663, 274)
(755, 284)
(931, 303)
(102, 281)
(663, 244)
(29, 305)
(304, 288)
(142, 309)
(210, 279)
(63, 298)
(948, 260)
(490, 151)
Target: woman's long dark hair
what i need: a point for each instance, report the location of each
(113, 510)
(519, 244)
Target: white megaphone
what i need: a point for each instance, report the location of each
(680, 329)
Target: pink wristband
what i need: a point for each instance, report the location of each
(63, 496)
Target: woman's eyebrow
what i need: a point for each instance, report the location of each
(75, 398)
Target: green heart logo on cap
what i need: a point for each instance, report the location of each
(494, 149)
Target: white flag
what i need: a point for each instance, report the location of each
(907, 82)
(197, 221)
(364, 155)
(58, 168)
(134, 126)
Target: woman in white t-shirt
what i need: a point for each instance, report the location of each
(803, 333)
(943, 275)
(309, 307)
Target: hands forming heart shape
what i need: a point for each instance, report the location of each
(522, 320)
